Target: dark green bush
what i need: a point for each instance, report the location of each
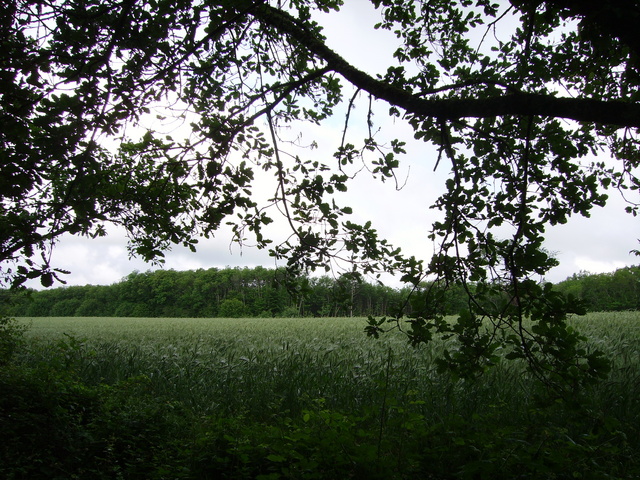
(43, 419)
(11, 338)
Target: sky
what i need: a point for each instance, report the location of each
(598, 244)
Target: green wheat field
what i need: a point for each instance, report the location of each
(315, 398)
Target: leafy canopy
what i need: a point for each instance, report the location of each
(517, 96)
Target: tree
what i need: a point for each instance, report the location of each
(231, 308)
(517, 118)
(619, 290)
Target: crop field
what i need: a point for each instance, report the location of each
(289, 398)
(260, 366)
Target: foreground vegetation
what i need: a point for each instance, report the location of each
(297, 398)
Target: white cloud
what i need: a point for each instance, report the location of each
(601, 243)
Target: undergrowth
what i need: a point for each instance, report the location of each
(60, 423)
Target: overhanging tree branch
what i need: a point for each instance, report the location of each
(608, 112)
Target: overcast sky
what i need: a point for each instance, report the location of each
(599, 244)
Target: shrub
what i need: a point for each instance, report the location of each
(42, 415)
(11, 337)
(231, 308)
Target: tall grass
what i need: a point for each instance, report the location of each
(316, 398)
(257, 366)
(263, 366)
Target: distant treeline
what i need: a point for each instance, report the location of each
(605, 292)
(261, 292)
(228, 292)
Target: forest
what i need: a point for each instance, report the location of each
(261, 292)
